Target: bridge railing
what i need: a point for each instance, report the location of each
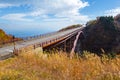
(38, 36)
(48, 42)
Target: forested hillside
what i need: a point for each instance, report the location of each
(102, 35)
(4, 38)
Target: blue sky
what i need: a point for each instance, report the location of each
(41, 16)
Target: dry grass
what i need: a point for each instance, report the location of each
(58, 66)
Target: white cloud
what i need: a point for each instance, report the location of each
(10, 3)
(113, 12)
(5, 5)
(69, 9)
(16, 17)
(80, 18)
(60, 9)
(56, 19)
(58, 6)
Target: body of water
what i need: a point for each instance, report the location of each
(21, 31)
(27, 33)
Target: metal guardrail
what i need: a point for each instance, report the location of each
(49, 42)
(36, 45)
(38, 36)
(6, 43)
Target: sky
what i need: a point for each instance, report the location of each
(31, 17)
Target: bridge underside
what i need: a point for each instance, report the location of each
(66, 45)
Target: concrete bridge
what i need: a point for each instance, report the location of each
(64, 40)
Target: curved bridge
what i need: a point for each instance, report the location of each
(65, 40)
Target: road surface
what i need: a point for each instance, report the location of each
(9, 49)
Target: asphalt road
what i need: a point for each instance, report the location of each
(8, 49)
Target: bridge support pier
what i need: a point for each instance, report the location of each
(71, 44)
(74, 45)
(65, 46)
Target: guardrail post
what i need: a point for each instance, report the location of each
(34, 46)
(15, 52)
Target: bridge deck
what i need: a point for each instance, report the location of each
(57, 36)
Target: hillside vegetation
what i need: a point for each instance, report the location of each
(4, 38)
(71, 27)
(58, 66)
(102, 34)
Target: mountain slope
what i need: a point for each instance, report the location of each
(71, 27)
(102, 34)
(4, 38)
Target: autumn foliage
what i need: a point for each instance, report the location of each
(4, 38)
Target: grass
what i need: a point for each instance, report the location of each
(58, 66)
